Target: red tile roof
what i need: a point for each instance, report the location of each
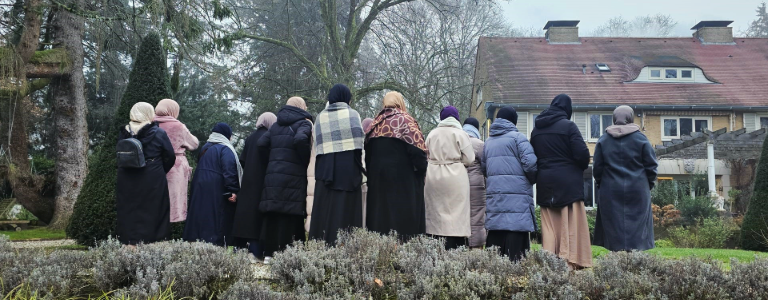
(532, 71)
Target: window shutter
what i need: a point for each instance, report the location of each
(522, 122)
(750, 122)
(580, 118)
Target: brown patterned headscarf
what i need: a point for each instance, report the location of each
(394, 123)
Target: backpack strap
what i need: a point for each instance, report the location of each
(202, 152)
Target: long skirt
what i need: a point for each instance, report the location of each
(279, 231)
(513, 244)
(565, 232)
(334, 210)
(452, 242)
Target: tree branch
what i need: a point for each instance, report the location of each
(321, 76)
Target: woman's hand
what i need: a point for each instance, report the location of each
(233, 199)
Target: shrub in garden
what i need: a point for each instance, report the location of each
(93, 218)
(754, 230)
(664, 193)
(198, 270)
(52, 276)
(709, 233)
(665, 216)
(693, 209)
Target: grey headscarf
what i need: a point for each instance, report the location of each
(623, 122)
(266, 120)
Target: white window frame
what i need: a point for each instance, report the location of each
(666, 138)
(663, 72)
(479, 96)
(589, 123)
(531, 122)
(757, 119)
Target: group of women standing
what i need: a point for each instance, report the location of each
(298, 174)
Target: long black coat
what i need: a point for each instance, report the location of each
(396, 172)
(338, 203)
(210, 215)
(143, 203)
(288, 143)
(624, 170)
(562, 158)
(248, 218)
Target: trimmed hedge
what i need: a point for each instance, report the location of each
(94, 213)
(754, 230)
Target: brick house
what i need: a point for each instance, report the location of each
(677, 86)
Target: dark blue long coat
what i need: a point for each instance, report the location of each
(210, 215)
(624, 170)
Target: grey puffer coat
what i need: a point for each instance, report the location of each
(510, 168)
(477, 196)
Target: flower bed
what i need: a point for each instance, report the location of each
(365, 265)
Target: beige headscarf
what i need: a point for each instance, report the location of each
(266, 120)
(297, 102)
(623, 118)
(395, 100)
(142, 113)
(167, 107)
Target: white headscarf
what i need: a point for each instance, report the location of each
(142, 113)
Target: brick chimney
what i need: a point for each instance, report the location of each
(562, 32)
(714, 32)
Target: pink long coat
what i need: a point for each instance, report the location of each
(178, 178)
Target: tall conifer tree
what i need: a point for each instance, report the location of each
(94, 213)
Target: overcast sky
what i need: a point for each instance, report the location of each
(593, 13)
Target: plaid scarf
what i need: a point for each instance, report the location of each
(338, 129)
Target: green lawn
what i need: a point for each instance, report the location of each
(41, 233)
(723, 255)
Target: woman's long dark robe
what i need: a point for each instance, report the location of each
(624, 170)
(143, 202)
(338, 200)
(396, 172)
(248, 218)
(210, 215)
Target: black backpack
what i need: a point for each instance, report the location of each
(130, 153)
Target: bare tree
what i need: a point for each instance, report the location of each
(658, 25)
(759, 27)
(430, 49)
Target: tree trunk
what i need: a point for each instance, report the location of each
(70, 116)
(26, 186)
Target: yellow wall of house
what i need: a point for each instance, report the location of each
(652, 129)
(739, 121)
(720, 122)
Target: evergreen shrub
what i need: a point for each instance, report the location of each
(754, 229)
(94, 213)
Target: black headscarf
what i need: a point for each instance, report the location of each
(559, 109)
(223, 128)
(472, 121)
(339, 93)
(508, 113)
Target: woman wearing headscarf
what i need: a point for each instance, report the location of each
(510, 165)
(247, 223)
(396, 161)
(283, 202)
(166, 116)
(215, 186)
(446, 191)
(476, 185)
(143, 205)
(625, 172)
(338, 169)
(562, 158)
(367, 122)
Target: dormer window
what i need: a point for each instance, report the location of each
(668, 74)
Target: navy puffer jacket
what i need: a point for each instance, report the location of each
(510, 166)
(288, 143)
